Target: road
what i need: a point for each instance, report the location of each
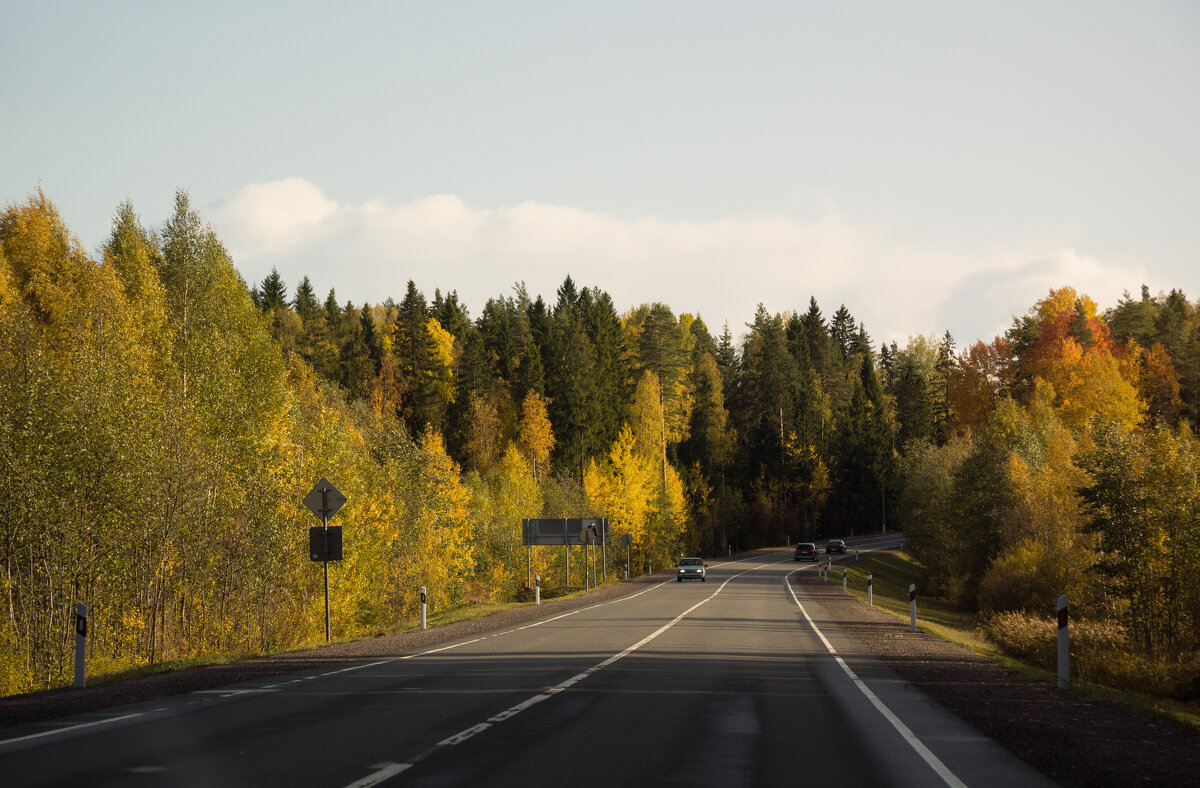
(733, 681)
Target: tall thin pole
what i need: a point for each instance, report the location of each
(325, 563)
(604, 549)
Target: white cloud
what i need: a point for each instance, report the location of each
(721, 269)
(267, 219)
(991, 297)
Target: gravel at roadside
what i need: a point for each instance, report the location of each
(1076, 742)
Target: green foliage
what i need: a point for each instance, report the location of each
(930, 509)
(1144, 503)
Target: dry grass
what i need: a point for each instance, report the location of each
(1104, 666)
(1100, 653)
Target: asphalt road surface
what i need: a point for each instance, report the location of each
(733, 681)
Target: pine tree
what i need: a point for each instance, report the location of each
(333, 312)
(357, 368)
(603, 328)
(450, 314)
(841, 331)
(414, 351)
(728, 363)
(272, 293)
(570, 363)
(817, 336)
(305, 301)
(864, 456)
(910, 385)
(939, 394)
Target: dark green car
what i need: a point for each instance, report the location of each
(690, 569)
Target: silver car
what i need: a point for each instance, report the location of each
(690, 569)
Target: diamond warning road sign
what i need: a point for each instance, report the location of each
(324, 500)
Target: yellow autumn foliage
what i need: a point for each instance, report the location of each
(535, 435)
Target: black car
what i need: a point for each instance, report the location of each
(836, 546)
(806, 550)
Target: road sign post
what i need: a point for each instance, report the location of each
(626, 539)
(604, 549)
(912, 607)
(81, 613)
(324, 500)
(424, 597)
(1064, 646)
(589, 534)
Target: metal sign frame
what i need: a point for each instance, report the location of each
(563, 531)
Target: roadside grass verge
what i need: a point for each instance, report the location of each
(102, 676)
(892, 574)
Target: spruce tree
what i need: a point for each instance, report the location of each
(305, 301)
(841, 331)
(272, 294)
(943, 418)
(612, 370)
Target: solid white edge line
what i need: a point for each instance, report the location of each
(68, 729)
(918, 746)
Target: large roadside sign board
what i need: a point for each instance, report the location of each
(563, 531)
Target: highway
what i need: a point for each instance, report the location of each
(734, 681)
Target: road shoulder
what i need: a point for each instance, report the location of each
(1075, 741)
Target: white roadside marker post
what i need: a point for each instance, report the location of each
(424, 597)
(537, 590)
(870, 590)
(81, 613)
(1064, 645)
(912, 606)
(843, 580)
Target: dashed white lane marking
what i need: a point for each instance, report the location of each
(926, 754)
(384, 771)
(550, 692)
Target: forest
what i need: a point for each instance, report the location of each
(162, 420)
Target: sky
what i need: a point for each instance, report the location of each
(933, 166)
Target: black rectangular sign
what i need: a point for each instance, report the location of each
(325, 544)
(560, 531)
